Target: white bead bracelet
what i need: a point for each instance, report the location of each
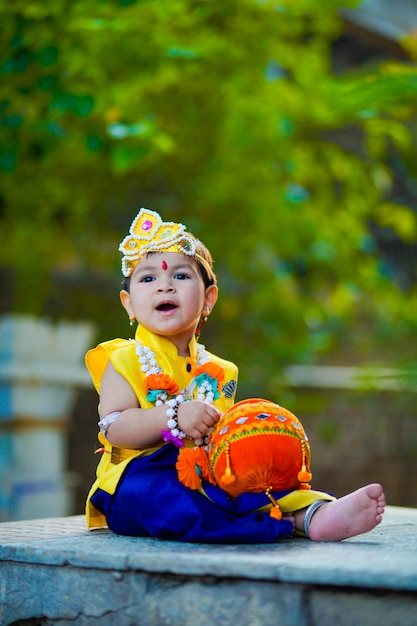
(174, 434)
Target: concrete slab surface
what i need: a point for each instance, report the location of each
(289, 577)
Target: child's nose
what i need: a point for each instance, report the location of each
(165, 284)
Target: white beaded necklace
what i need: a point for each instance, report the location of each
(149, 365)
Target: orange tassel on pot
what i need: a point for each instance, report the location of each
(304, 475)
(228, 478)
(275, 511)
(192, 465)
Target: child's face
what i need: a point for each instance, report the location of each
(167, 296)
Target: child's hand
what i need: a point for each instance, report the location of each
(195, 418)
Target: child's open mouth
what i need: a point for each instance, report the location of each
(166, 307)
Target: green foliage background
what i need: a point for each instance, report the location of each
(229, 117)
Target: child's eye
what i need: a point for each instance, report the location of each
(181, 276)
(147, 279)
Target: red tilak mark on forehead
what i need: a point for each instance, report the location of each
(164, 265)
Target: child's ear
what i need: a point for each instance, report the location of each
(211, 298)
(126, 301)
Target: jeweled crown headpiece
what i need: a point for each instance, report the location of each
(148, 233)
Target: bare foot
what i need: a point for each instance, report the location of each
(354, 514)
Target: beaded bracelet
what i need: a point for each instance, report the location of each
(104, 423)
(174, 434)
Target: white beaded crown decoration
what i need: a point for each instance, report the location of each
(148, 233)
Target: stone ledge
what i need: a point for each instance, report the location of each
(385, 557)
(71, 575)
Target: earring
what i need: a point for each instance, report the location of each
(201, 325)
(132, 320)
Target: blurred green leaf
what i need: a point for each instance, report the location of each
(230, 118)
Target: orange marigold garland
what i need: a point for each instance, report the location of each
(159, 383)
(209, 377)
(162, 389)
(212, 369)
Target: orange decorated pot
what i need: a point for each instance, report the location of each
(257, 446)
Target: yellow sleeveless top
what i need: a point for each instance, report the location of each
(122, 354)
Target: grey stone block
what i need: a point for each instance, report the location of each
(55, 572)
